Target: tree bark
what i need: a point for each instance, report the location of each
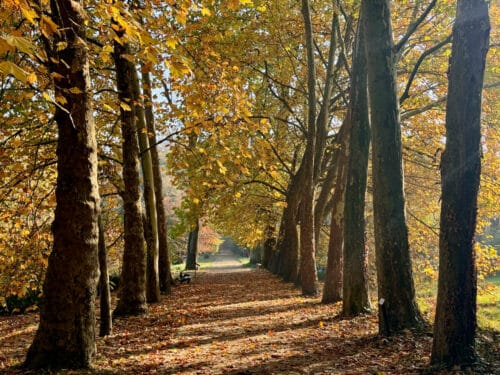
(192, 250)
(164, 271)
(66, 334)
(355, 278)
(152, 278)
(287, 254)
(455, 325)
(308, 274)
(394, 274)
(332, 289)
(268, 247)
(106, 325)
(132, 290)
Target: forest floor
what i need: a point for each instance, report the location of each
(231, 320)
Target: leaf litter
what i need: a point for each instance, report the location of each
(237, 323)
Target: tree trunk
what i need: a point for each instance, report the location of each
(268, 247)
(106, 324)
(332, 289)
(66, 334)
(394, 274)
(287, 254)
(308, 274)
(455, 325)
(164, 271)
(132, 290)
(152, 279)
(192, 250)
(355, 279)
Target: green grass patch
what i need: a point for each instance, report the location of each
(488, 306)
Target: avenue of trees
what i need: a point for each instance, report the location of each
(360, 135)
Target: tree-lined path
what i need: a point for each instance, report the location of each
(236, 323)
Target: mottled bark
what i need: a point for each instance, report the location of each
(132, 290)
(164, 271)
(192, 250)
(106, 325)
(355, 279)
(455, 325)
(394, 273)
(66, 334)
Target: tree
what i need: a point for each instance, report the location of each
(308, 275)
(132, 291)
(398, 308)
(66, 334)
(164, 272)
(106, 324)
(455, 325)
(192, 247)
(355, 276)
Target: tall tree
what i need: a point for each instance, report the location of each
(132, 291)
(152, 279)
(192, 247)
(455, 325)
(355, 275)
(398, 308)
(308, 275)
(164, 272)
(66, 334)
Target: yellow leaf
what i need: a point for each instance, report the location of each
(61, 45)
(125, 106)
(20, 43)
(75, 90)
(6, 68)
(196, 201)
(31, 78)
(61, 100)
(206, 12)
(48, 26)
(107, 107)
(29, 14)
(171, 43)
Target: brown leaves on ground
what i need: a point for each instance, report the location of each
(237, 323)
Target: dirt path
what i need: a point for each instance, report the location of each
(225, 261)
(236, 323)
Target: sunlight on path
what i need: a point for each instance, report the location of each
(233, 322)
(225, 261)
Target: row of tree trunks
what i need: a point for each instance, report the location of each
(164, 271)
(152, 279)
(66, 334)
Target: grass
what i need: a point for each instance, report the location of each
(488, 304)
(203, 262)
(488, 297)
